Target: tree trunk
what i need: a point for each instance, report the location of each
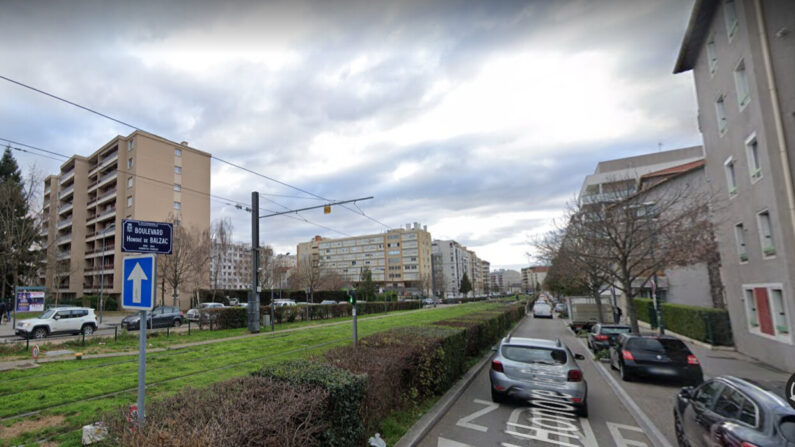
(598, 297)
(632, 313)
(715, 282)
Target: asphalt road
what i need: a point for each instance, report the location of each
(474, 420)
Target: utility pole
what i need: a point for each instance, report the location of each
(253, 295)
(649, 208)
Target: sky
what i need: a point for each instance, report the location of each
(479, 119)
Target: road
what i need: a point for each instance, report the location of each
(474, 420)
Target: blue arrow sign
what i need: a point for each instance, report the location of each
(138, 292)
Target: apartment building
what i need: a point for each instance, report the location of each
(485, 272)
(506, 281)
(140, 176)
(740, 55)
(450, 261)
(230, 266)
(533, 278)
(399, 259)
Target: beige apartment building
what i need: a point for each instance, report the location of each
(533, 278)
(140, 176)
(399, 259)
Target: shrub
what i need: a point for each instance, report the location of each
(225, 317)
(645, 309)
(341, 410)
(228, 413)
(701, 323)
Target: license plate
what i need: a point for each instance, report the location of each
(663, 371)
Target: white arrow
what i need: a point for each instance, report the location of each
(444, 442)
(136, 276)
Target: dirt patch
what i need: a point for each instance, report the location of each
(30, 425)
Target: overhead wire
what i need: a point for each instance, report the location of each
(235, 165)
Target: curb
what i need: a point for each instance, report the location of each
(650, 430)
(421, 428)
(700, 343)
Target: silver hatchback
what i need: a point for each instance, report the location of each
(539, 371)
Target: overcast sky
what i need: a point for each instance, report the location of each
(478, 119)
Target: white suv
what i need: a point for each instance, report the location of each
(58, 321)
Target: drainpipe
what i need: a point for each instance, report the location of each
(771, 82)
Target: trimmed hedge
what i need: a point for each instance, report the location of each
(288, 314)
(345, 395)
(700, 323)
(224, 317)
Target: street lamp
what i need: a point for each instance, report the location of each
(102, 271)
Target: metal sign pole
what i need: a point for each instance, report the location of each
(142, 367)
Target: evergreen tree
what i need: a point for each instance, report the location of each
(466, 286)
(366, 289)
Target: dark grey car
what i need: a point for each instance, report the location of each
(536, 370)
(160, 316)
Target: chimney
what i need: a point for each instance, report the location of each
(184, 143)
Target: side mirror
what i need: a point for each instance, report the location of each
(579, 357)
(686, 392)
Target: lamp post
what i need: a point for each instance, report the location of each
(102, 271)
(649, 208)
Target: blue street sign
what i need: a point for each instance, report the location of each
(140, 236)
(138, 292)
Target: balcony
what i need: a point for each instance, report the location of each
(106, 195)
(93, 218)
(65, 176)
(66, 192)
(63, 239)
(63, 223)
(104, 162)
(98, 251)
(65, 207)
(63, 254)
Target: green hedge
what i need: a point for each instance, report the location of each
(699, 323)
(288, 314)
(346, 392)
(225, 317)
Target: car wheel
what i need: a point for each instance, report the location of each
(40, 332)
(583, 410)
(680, 432)
(625, 376)
(177, 323)
(496, 397)
(88, 329)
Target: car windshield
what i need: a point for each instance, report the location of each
(616, 330)
(660, 345)
(529, 354)
(47, 314)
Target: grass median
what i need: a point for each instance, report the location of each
(77, 392)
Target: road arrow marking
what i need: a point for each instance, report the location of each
(443, 442)
(136, 276)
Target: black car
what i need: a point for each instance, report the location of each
(727, 411)
(160, 316)
(662, 357)
(601, 336)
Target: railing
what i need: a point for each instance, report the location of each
(104, 162)
(108, 248)
(64, 222)
(64, 254)
(66, 238)
(106, 212)
(63, 208)
(66, 192)
(65, 176)
(107, 194)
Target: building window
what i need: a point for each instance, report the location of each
(712, 55)
(752, 152)
(129, 201)
(741, 84)
(129, 182)
(177, 170)
(739, 234)
(130, 145)
(720, 113)
(766, 234)
(177, 205)
(731, 179)
(178, 152)
(780, 320)
(177, 187)
(750, 309)
(129, 163)
(730, 14)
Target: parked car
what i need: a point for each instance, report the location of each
(662, 357)
(193, 314)
(728, 411)
(428, 302)
(61, 320)
(326, 302)
(601, 336)
(283, 302)
(160, 316)
(560, 307)
(542, 310)
(524, 365)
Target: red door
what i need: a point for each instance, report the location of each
(763, 310)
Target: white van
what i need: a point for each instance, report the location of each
(542, 310)
(283, 302)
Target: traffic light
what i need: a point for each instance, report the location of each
(352, 297)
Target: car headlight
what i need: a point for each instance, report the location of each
(25, 324)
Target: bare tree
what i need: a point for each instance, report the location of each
(640, 234)
(187, 264)
(331, 280)
(308, 276)
(220, 246)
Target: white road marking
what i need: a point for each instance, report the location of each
(443, 442)
(615, 431)
(466, 421)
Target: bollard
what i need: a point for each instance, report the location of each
(27, 340)
(115, 333)
(84, 337)
(167, 331)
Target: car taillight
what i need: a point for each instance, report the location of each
(627, 355)
(748, 444)
(182, 313)
(575, 375)
(692, 360)
(601, 337)
(496, 365)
